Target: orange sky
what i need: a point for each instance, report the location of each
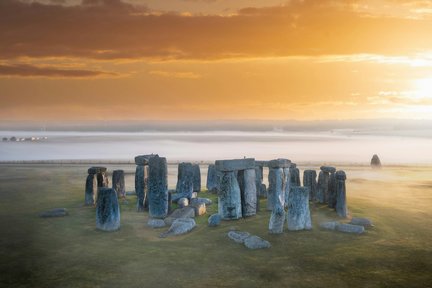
(215, 59)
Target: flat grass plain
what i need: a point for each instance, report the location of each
(70, 252)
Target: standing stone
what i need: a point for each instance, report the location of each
(331, 201)
(118, 183)
(375, 161)
(298, 216)
(107, 210)
(229, 205)
(294, 175)
(277, 220)
(185, 180)
(212, 179)
(341, 205)
(158, 187)
(141, 175)
(309, 180)
(248, 194)
(288, 184)
(91, 190)
(276, 191)
(196, 178)
(323, 183)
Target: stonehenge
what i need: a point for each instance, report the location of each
(298, 216)
(212, 181)
(277, 183)
(158, 187)
(118, 183)
(107, 210)
(141, 179)
(322, 194)
(341, 205)
(196, 177)
(185, 181)
(309, 180)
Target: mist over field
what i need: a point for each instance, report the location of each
(395, 141)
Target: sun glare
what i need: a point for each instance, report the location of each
(423, 88)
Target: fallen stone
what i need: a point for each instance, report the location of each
(107, 210)
(365, 222)
(179, 226)
(200, 209)
(96, 170)
(183, 202)
(156, 223)
(279, 163)
(349, 228)
(206, 201)
(238, 236)
(235, 164)
(56, 212)
(214, 220)
(329, 225)
(255, 242)
(186, 212)
(144, 159)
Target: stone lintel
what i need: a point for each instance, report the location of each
(235, 164)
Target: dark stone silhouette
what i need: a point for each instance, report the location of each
(229, 206)
(196, 178)
(375, 161)
(158, 187)
(212, 179)
(310, 181)
(107, 210)
(341, 203)
(185, 180)
(118, 183)
(298, 216)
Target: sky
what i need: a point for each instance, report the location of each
(206, 60)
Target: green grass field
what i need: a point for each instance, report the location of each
(70, 252)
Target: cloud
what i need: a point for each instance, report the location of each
(179, 75)
(113, 30)
(25, 70)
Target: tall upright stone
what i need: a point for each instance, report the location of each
(341, 201)
(91, 189)
(310, 181)
(277, 183)
(375, 161)
(288, 184)
(229, 204)
(298, 216)
(107, 210)
(331, 199)
(141, 179)
(118, 183)
(185, 180)
(294, 175)
(158, 187)
(259, 177)
(212, 179)
(277, 220)
(323, 183)
(196, 178)
(247, 184)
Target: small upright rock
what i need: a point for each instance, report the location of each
(255, 242)
(214, 220)
(183, 202)
(107, 210)
(375, 161)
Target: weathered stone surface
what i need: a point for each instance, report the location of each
(229, 199)
(277, 220)
(102, 179)
(96, 170)
(196, 178)
(141, 186)
(310, 181)
(293, 165)
(375, 161)
(261, 164)
(365, 222)
(156, 223)
(322, 187)
(179, 227)
(186, 212)
(200, 208)
(329, 225)
(214, 220)
(261, 193)
(56, 212)
(212, 184)
(298, 216)
(235, 164)
(328, 169)
(331, 192)
(144, 159)
(91, 189)
(107, 210)
(118, 183)
(183, 202)
(279, 163)
(158, 187)
(341, 201)
(276, 191)
(349, 228)
(185, 180)
(288, 184)
(238, 236)
(255, 242)
(206, 201)
(247, 184)
(294, 176)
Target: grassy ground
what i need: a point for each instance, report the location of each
(70, 252)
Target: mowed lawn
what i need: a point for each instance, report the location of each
(70, 252)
